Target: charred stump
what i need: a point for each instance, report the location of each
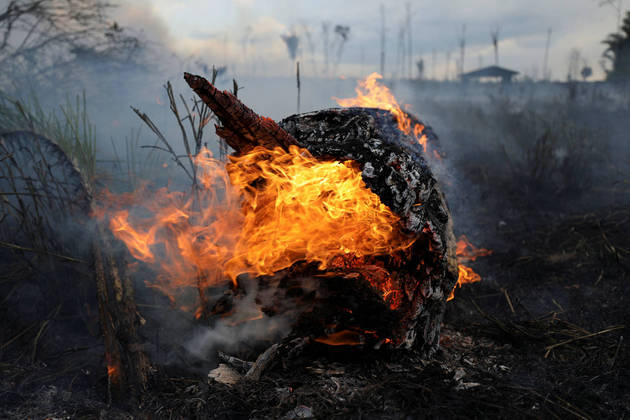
(127, 364)
(398, 299)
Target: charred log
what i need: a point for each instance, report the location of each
(393, 167)
(396, 298)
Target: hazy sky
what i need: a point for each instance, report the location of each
(246, 34)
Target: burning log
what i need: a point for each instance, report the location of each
(396, 296)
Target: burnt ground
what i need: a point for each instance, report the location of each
(541, 336)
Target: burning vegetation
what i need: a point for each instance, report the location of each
(259, 214)
(330, 222)
(372, 94)
(295, 202)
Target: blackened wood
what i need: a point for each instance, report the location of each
(262, 362)
(127, 364)
(241, 127)
(393, 167)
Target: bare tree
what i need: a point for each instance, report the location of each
(409, 39)
(494, 34)
(447, 75)
(342, 33)
(462, 50)
(40, 35)
(546, 72)
(311, 46)
(400, 53)
(420, 65)
(326, 41)
(245, 42)
(574, 62)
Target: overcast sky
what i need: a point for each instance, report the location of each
(246, 34)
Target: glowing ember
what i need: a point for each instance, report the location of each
(259, 214)
(342, 338)
(372, 94)
(112, 373)
(466, 251)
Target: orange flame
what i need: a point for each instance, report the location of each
(342, 338)
(259, 214)
(466, 251)
(372, 94)
(112, 373)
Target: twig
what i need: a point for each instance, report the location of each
(565, 406)
(235, 88)
(612, 365)
(41, 331)
(503, 327)
(607, 330)
(238, 364)
(262, 362)
(175, 111)
(144, 117)
(37, 251)
(24, 331)
(509, 301)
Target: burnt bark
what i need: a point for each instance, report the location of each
(241, 127)
(127, 364)
(394, 167)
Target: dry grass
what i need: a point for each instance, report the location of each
(69, 127)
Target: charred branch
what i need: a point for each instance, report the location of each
(127, 364)
(240, 127)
